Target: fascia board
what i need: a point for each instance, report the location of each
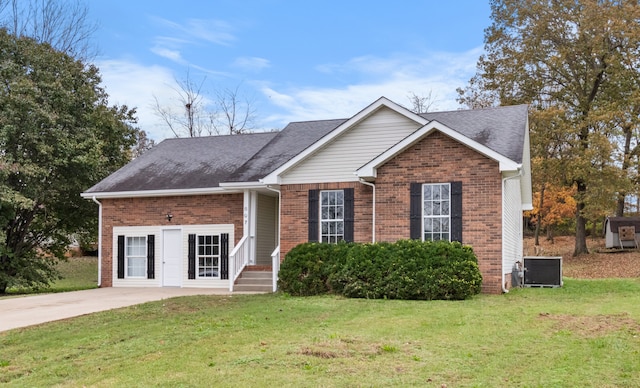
(369, 169)
(242, 185)
(274, 177)
(156, 193)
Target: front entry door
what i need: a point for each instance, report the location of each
(172, 258)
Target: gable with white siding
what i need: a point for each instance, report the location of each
(338, 160)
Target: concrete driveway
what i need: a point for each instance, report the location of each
(32, 310)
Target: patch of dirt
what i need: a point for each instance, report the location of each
(600, 263)
(593, 326)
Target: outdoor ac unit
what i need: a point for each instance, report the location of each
(542, 271)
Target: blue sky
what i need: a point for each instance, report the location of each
(296, 60)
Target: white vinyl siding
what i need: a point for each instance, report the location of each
(266, 228)
(512, 244)
(338, 160)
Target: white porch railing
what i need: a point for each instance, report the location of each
(275, 267)
(238, 259)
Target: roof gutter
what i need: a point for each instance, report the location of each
(99, 240)
(157, 193)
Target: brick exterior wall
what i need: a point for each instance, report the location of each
(440, 159)
(435, 159)
(187, 210)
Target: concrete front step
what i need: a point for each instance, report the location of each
(254, 281)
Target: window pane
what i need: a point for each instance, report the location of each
(444, 222)
(427, 193)
(436, 208)
(428, 208)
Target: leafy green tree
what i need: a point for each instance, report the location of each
(576, 62)
(58, 136)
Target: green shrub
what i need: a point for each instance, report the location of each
(306, 268)
(407, 269)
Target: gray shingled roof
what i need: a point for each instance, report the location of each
(501, 129)
(292, 140)
(205, 162)
(188, 163)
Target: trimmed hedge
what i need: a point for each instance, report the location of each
(407, 269)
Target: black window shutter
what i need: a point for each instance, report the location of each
(151, 254)
(120, 257)
(415, 211)
(224, 256)
(192, 256)
(314, 221)
(348, 215)
(456, 211)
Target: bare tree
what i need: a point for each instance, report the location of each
(64, 24)
(420, 103)
(193, 114)
(191, 117)
(235, 115)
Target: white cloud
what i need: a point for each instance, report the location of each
(213, 31)
(251, 63)
(173, 55)
(135, 85)
(438, 74)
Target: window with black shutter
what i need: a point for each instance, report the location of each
(436, 211)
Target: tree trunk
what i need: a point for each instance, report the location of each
(581, 222)
(539, 223)
(626, 162)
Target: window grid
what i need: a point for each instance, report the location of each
(436, 211)
(331, 216)
(136, 256)
(208, 256)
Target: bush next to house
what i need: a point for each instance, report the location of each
(407, 269)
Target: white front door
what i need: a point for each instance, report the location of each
(172, 258)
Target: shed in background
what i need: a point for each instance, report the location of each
(622, 232)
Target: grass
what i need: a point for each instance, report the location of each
(78, 273)
(584, 334)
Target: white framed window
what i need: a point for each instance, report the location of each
(436, 211)
(208, 256)
(331, 216)
(136, 256)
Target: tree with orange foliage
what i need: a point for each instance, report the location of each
(553, 205)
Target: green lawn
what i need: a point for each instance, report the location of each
(78, 273)
(585, 334)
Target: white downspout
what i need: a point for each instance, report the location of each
(99, 240)
(373, 216)
(504, 181)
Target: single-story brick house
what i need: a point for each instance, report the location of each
(198, 212)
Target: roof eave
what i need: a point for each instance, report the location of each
(156, 193)
(369, 170)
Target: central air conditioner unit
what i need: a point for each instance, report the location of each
(542, 271)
